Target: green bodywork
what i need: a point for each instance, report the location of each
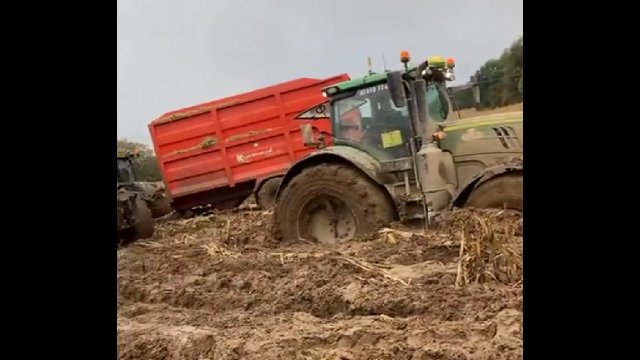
(481, 137)
(371, 79)
(479, 147)
(483, 142)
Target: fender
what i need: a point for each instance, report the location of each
(261, 181)
(338, 153)
(489, 173)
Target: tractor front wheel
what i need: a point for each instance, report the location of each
(503, 192)
(332, 203)
(266, 194)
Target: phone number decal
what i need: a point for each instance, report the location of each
(373, 89)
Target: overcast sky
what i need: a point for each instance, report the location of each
(178, 53)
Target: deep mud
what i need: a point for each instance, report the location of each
(221, 287)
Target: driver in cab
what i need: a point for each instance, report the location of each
(351, 121)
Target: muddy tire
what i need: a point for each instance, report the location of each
(266, 194)
(185, 214)
(503, 191)
(145, 227)
(332, 203)
(160, 207)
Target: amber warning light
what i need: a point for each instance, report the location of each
(404, 56)
(439, 135)
(451, 63)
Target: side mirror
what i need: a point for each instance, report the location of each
(476, 94)
(475, 89)
(396, 89)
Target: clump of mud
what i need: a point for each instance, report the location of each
(221, 287)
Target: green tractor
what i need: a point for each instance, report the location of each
(397, 154)
(135, 218)
(153, 193)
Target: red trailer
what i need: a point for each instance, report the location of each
(220, 152)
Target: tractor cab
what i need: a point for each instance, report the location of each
(363, 115)
(367, 117)
(126, 173)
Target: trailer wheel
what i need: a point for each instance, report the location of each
(503, 191)
(332, 203)
(266, 194)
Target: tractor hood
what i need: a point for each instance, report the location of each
(483, 121)
(488, 134)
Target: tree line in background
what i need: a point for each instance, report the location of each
(499, 80)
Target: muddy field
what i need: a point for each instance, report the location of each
(221, 287)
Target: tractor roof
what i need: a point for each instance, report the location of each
(125, 155)
(437, 62)
(356, 83)
(368, 79)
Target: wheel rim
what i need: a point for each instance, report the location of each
(327, 219)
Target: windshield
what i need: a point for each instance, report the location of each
(370, 119)
(125, 171)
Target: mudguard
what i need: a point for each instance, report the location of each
(338, 153)
(463, 192)
(261, 181)
(147, 190)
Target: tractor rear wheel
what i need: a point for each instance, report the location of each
(502, 191)
(332, 203)
(266, 194)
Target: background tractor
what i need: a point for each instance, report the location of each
(398, 153)
(135, 217)
(153, 193)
